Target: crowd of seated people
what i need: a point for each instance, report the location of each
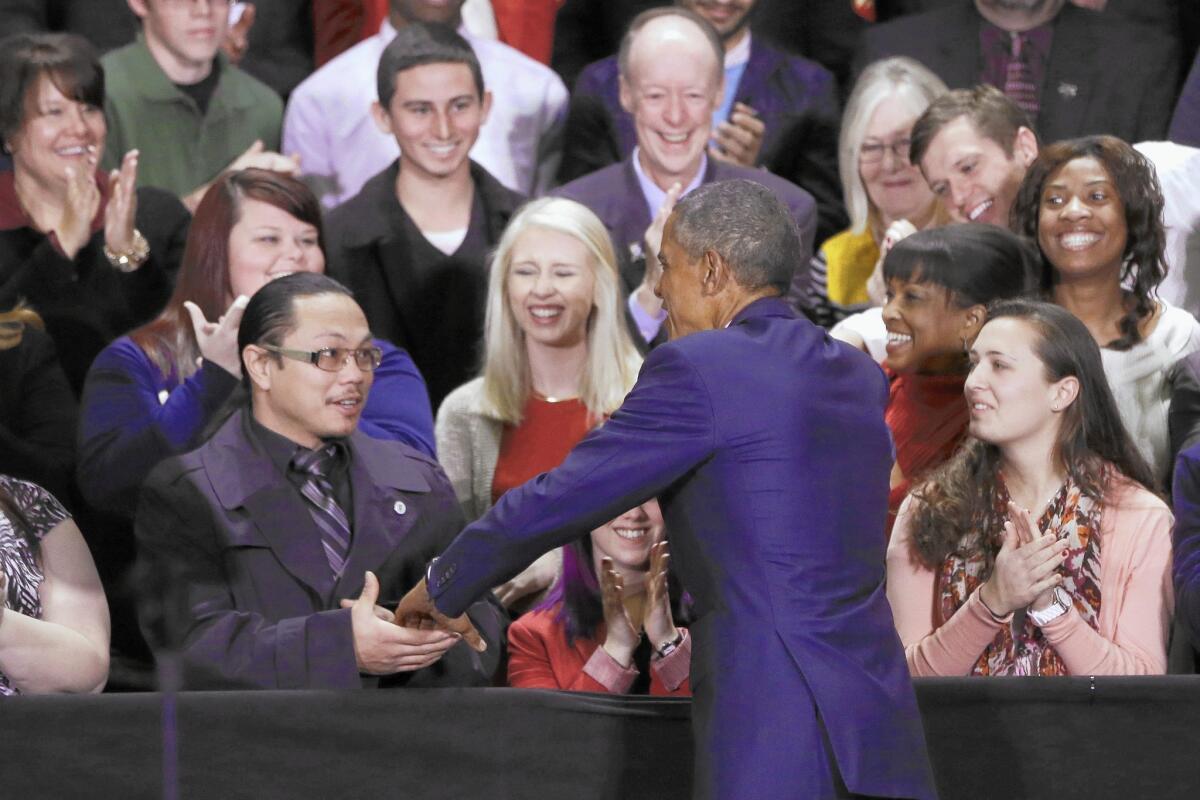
(209, 445)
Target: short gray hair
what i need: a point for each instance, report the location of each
(746, 224)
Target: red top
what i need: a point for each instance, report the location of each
(527, 25)
(540, 443)
(928, 417)
(540, 658)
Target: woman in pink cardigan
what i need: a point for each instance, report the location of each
(978, 583)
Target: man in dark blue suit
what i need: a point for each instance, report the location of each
(765, 443)
(255, 545)
(671, 79)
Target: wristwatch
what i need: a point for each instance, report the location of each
(1060, 603)
(669, 647)
(132, 258)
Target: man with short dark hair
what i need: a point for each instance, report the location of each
(764, 441)
(1074, 71)
(414, 243)
(776, 110)
(670, 83)
(974, 146)
(176, 99)
(329, 122)
(254, 545)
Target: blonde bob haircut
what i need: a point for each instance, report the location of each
(899, 77)
(612, 360)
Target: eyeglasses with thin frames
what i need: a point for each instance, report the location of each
(872, 152)
(332, 359)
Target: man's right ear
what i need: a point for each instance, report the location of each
(257, 364)
(138, 7)
(382, 121)
(1025, 146)
(626, 94)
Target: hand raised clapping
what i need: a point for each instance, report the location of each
(1026, 568)
(218, 340)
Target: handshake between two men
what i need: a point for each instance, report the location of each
(413, 637)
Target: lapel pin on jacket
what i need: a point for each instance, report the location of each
(1068, 90)
(399, 507)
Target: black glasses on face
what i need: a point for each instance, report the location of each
(332, 359)
(872, 152)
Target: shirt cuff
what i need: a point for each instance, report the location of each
(647, 325)
(604, 670)
(677, 666)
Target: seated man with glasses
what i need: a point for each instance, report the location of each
(269, 552)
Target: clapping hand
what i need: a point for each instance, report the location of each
(899, 230)
(621, 633)
(1026, 569)
(82, 202)
(653, 241)
(739, 140)
(658, 623)
(121, 211)
(416, 610)
(237, 38)
(218, 340)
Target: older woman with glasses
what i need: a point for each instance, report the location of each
(881, 185)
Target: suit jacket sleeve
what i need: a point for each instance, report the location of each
(37, 431)
(1183, 418)
(1186, 568)
(186, 603)
(125, 430)
(398, 403)
(1185, 124)
(664, 428)
(590, 140)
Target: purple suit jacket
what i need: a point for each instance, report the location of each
(795, 98)
(766, 446)
(616, 198)
(234, 572)
(1185, 125)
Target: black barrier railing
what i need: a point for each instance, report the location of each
(996, 737)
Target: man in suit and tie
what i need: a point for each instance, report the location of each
(1074, 71)
(765, 443)
(255, 545)
(671, 77)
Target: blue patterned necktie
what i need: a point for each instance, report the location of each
(315, 466)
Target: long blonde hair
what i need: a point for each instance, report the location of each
(612, 360)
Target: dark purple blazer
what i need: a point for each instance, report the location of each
(234, 571)
(1185, 124)
(796, 99)
(766, 446)
(1105, 74)
(614, 195)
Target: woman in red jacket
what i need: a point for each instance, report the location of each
(607, 625)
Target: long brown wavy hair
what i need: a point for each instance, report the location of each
(959, 496)
(1137, 184)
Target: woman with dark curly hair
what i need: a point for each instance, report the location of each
(1037, 549)
(1095, 208)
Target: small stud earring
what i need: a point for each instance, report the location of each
(1054, 407)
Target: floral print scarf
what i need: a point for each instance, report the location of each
(1020, 648)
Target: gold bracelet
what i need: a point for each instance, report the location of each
(132, 258)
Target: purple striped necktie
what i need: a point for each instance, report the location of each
(315, 466)
(1018, 78)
